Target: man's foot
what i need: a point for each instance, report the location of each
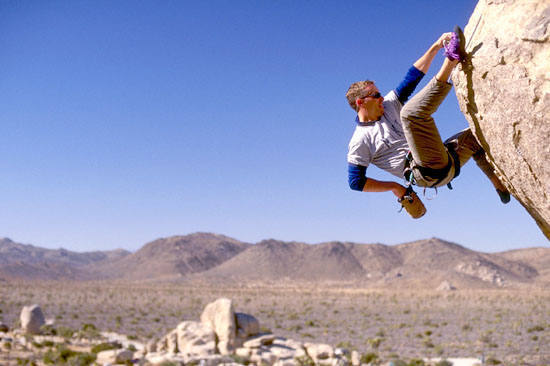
(504, 196)
(455, 48)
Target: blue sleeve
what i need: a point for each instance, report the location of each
(357, 177)
(409, 83)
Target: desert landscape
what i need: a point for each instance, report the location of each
(427, 299)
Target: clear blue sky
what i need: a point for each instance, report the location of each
(125, 121)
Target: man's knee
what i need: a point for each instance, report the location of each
(414, 113)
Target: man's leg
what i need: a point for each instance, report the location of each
(466, 146)
(420, 129)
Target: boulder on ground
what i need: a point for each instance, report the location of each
(319, 351)
(4, 328)
(196, 339)
(220, 316)
(445, 286)
(32, 319)
(259, 341)
(114, 356)
(247, 325)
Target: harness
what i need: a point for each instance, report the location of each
(430, 177)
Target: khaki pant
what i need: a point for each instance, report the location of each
(427, 148)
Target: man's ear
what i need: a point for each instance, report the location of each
(358, 102)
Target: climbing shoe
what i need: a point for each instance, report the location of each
(504, 196)
(455, 48)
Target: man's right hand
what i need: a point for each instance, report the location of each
(445, 37)
(399, 190)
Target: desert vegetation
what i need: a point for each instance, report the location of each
(502, 326)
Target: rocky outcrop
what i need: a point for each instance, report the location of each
(504, 91)
(223, 333)
(483, 271)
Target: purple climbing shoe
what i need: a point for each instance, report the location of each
(455, 48)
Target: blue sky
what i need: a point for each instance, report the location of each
(125, 121)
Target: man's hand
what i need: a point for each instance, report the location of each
(399, 190)
(445, 37)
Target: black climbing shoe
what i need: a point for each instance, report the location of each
(504, 196)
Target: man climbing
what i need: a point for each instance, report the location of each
(403, 139)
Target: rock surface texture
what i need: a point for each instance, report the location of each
(504, 91)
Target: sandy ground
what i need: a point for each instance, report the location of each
(510, 326)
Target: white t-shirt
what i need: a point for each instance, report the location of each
(382, 142)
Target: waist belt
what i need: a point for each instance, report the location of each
(439, 175)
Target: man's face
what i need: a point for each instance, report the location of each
(372, 102)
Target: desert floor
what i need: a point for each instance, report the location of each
(511, 326)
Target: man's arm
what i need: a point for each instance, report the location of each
(419, 69)
(373, 185)
(358, 181)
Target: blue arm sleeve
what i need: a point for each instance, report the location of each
(357, 177)
(409, 83)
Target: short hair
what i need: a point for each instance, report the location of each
(357, 90)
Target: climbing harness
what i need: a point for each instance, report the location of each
(416, 174)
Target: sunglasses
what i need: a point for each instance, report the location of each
(375, 96)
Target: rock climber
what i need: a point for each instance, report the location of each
(401, 137)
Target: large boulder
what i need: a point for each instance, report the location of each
(220, 316)
(32, 319)
(247, 326)
(504, 92)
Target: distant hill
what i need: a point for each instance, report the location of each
(172, 257)
(218, 258)
(272, 260)
(538, 258)
(31, 262)
(429, 262)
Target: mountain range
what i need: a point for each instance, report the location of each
(220, 259)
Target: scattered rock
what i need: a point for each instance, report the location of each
(32, 319)
(243, 352)
(355, 358)
(257, 342)
(159, 358)
(114, 356)
(211, 360)
(4, 328)
(319, 351)
(196, 339)
(220, 316)
(152, 346)
(161, 346)
(172, 341)
(247, 325)
(445, 286)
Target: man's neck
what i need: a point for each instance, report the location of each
(363, 117)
